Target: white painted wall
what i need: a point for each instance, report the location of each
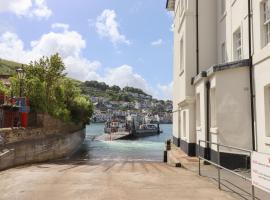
(231, 85)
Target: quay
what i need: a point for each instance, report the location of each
(106, 180)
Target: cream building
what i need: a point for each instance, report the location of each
(221, 89)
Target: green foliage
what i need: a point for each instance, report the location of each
(113, 93)
(134, 90)
(51, 92)
(3, 88)
(80, 108)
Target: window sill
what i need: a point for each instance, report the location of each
(181, 73)
(214, 130)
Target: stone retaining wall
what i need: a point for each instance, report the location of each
(53, 139)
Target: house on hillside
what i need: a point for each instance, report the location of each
(221, 90)
(5, 80)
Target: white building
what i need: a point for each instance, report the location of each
(221, 89)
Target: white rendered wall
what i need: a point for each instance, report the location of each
(232, 108)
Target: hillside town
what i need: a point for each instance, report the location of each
(147, 108)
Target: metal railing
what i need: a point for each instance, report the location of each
(219, 167)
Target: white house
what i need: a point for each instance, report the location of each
(221, 90)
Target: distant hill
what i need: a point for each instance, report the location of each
(90, 88)
(8, 67)
(114, 93)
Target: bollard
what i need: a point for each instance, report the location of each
(168, 145)
(165, 158)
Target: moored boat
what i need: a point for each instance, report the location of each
(146, 130)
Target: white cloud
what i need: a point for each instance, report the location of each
(157, 42)
(166, 90)
(107, 26)
(60, 26)
(70, 44)
(28, 8)
(125, 76)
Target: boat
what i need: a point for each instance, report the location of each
(115, 125)
(146, 130)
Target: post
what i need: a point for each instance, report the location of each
(252, 192)
(20, 87)
(252, 186)
(219, 186)
(199, 154)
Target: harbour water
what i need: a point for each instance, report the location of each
(143, 149)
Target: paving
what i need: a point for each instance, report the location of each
(241, 188)
(106, 180)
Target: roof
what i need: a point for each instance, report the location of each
(220, 67)
(5, 79)
(170, 5)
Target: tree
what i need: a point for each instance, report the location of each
(50, 91)
(115, 88)
(49, 71)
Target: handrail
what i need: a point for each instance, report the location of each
(231, 147)
(219, 167)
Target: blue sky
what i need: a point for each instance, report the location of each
(120, 42)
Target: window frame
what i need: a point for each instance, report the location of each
(267, 110)
(181, 56)
(184, 123)
(223, 53)
(198, 110)
(237, 43)
(266, 22)
(213, 108)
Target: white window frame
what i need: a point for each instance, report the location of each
(266, 22)
(267, 110)
(237, 40)
(182, 57)
(223, 53)
(198, 110)
(179, 123)
(213, 110)
(184, 124)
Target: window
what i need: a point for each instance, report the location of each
(267, 110)
(223, 7)
(198, 110)
(184, 124)
(237, 45)
(213, 114)
(179, 123)
(181, 55)
(266, 21)
(223, 53)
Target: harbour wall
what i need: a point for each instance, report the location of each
(51, 139)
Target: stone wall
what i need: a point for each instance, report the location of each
(53, 139)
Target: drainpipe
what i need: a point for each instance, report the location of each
(197, 37)
(252, 96)
(207, 151)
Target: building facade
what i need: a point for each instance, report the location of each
(221, 90)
